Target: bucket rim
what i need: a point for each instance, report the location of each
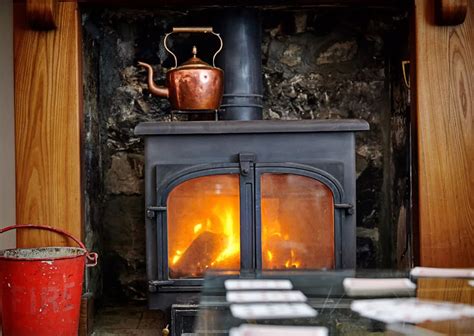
(83, 254)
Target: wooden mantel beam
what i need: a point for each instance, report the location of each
(391, 4)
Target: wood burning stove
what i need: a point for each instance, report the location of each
(246, 196)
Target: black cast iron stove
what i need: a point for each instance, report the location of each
(244, 196)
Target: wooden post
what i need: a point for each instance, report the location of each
(443, 102)
(48, 118)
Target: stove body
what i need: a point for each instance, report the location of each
(287, 189)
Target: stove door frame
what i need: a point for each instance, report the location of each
(250, 212)
(162, 193)
(308, 171)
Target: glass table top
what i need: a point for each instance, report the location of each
(326, 294)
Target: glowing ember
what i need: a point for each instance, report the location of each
(277, 250)
(292, 262)
(197, 228)
(176, 257)
(269, 255)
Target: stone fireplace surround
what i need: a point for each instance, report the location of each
(318, 63)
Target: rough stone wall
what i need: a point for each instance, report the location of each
(345, 64)
(318, 64)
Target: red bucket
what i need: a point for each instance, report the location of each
(41, 288)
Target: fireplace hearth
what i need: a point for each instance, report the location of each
(246, 196)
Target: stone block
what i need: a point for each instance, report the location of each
(125, 175)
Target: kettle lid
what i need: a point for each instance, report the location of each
(195, 62)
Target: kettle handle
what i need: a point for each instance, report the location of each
(203, 30)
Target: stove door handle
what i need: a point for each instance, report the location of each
(152, 210)
(345, 206)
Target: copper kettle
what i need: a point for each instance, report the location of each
(194, 85)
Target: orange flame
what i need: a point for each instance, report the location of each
(223, 219)
(276, 254)
(233, 243)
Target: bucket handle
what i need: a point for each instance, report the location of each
(91, 257)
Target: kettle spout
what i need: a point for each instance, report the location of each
(159, 91)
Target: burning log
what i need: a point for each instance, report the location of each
(285, 252)
(199, 255)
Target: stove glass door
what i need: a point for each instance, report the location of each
(204, 226)
(297, 222)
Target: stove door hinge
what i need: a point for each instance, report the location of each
(245, 160)
(345, 206)
(152, 210)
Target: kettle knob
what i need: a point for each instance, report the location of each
(194, 51)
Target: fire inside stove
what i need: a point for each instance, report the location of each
(204, 224)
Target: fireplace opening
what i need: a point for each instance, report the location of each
(317, 64)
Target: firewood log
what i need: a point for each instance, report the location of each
(199, 255)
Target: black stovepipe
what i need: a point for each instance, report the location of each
(241, 60)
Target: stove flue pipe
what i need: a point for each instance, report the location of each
(241, 60)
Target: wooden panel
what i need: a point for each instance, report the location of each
(450, 290)
(444, 112)
(47, 119)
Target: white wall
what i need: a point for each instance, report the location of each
(7, 126)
